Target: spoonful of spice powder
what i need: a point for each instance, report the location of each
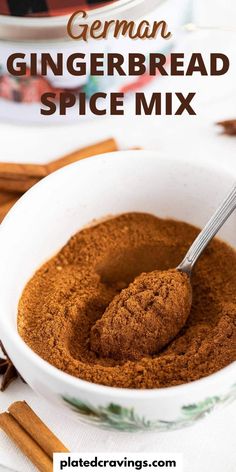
(151, 311)
(144, 317)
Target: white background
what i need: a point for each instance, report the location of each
(209, 446)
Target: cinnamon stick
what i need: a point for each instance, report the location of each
(103, 147)
(27, 445)
(17, 185)
(7, 196)
(229, 127)
(21, 177)
(22, 171)
(35, 427)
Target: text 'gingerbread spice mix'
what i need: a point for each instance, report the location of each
(69, 294)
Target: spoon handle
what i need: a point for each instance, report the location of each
(212, 227)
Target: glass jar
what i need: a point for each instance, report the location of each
(20, 96)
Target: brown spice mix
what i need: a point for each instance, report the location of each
(65, 298)
(144, 317)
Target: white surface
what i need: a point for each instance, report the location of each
(5, 469)
(214, 13)
(208, 446)
(211, 444)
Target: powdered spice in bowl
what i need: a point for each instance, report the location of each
(65, 298)
(54, 348)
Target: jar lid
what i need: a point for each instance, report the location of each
(18, 23)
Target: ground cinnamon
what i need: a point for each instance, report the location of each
(65, 298)
(144, 317)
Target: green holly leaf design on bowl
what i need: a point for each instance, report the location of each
(120, 418)
(201, 408)
(112, 416)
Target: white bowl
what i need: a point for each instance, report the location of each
(42, 222)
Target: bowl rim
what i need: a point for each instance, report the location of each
(68, 379)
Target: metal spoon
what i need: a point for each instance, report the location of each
(207, 234)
